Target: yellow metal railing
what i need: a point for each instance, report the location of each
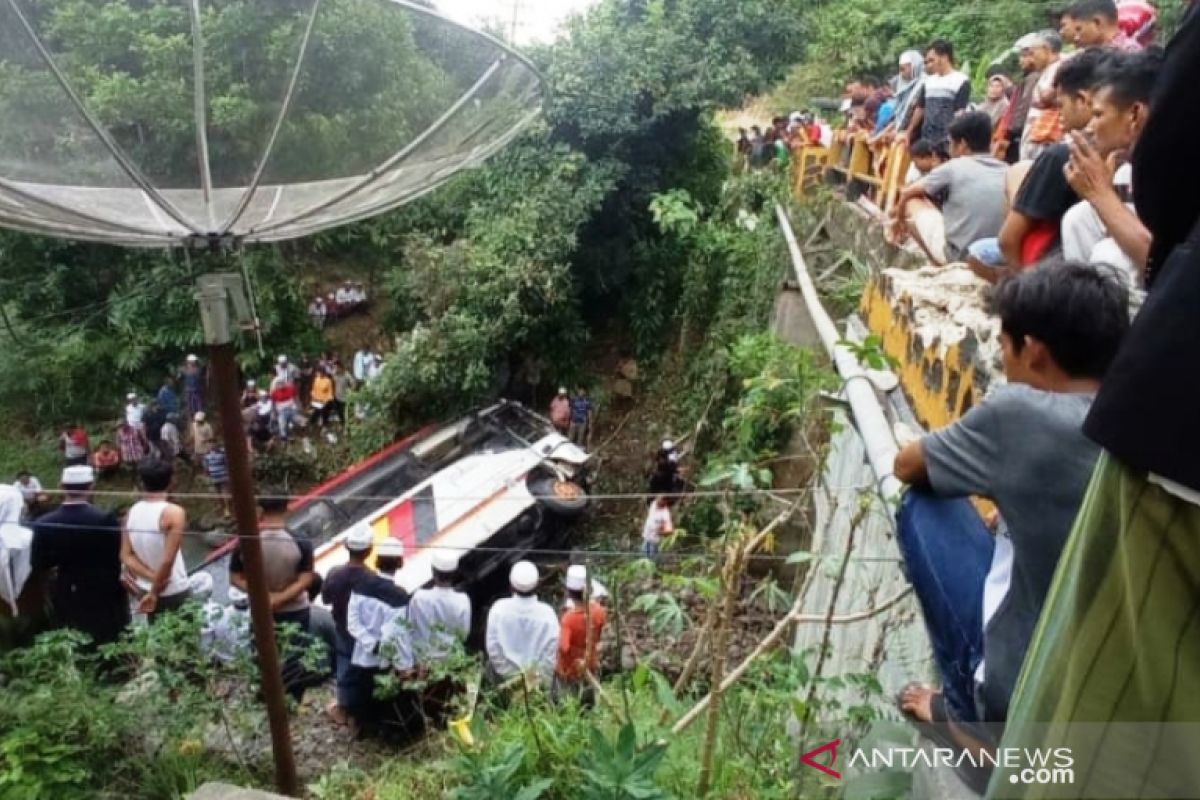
(851, 158)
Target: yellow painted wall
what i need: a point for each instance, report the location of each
(939, 386)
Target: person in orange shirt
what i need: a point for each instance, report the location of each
(575, 642)
(322, 397)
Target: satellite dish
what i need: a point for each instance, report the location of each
(192, 122)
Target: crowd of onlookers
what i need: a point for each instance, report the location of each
(782, 139)
(349, 298)
(1038, 167)
(104, 568)
(305, 397)
(1032, 187)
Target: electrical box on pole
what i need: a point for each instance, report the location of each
(219, 293)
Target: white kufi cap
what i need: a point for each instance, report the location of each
(360, 538)
(82, 475)
(576, 577)
(445, 560)
(523, 576)
(390, 548)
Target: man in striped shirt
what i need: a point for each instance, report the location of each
(217, 469)
(945, 93)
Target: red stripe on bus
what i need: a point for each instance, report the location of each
(400, 526)
(366, 463)
(328, 485)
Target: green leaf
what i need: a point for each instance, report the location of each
(664, 693)
(627, 741)
(534, 790)
(640, 674)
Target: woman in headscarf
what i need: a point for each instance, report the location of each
(996, 104)
(908, 86)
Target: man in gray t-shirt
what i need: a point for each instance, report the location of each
(1023, 449)
(969, 187)
(289, 574)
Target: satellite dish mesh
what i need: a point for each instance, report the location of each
(169, 122)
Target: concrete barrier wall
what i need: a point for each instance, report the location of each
(891, 646)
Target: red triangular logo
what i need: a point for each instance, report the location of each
(832, 747)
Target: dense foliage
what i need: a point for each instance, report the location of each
(504, 273)
(89, 322)
(499, 276)
(132, 723)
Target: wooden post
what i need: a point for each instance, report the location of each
(732, 580)
(214, 301)
(241, 486)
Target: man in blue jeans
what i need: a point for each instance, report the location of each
(1023, 449)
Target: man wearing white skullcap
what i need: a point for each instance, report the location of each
(286, 370)
(522, 631)
(82, 545)
(375, 601)
(439, 615)
(578, 647)
(439, 620)
(339, 585)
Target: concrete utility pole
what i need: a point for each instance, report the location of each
(216, 293)
(512, 33)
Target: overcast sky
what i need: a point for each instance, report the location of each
(537, 20)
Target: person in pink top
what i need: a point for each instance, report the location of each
(560, 411)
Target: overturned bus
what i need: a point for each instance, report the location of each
(495, 486)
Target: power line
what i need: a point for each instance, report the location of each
(101, 304)
(643, 496)
(541, 551)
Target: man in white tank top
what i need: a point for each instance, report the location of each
(150, 543)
